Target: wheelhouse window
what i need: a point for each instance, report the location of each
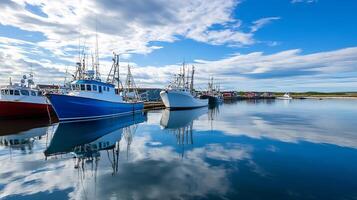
(94, 87)
(39, 93)
(11, 92)
(83, 87)
(100, 89)
(89, 87)
(17, 93)
(6, 92)
(25, 92)
(2, 92)
(33, 93)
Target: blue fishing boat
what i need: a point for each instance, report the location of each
(90, 98)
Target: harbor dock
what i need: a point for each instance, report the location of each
(153, 105)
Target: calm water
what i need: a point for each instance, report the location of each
(300, 149)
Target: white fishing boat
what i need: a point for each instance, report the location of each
(180, 93)
(286, 96)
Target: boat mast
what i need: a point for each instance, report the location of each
(130, 86)
(192, 76)
(97, 73)
(114, 72)
(118, 66)
(183, 75)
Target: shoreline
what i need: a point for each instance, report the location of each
(326, 97)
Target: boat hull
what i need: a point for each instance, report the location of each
(70, 108)
(212, 100)
(285, 98)
(19, 110)
(181, 100)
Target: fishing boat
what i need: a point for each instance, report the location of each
(91, 98)
(213, 94)
(23, 100)
(180, 93)
(286, 96)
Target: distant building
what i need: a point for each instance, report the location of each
(228, 95)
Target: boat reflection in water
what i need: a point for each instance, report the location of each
(180, 123)
(21, 134)
(178, 119)
(84, 140)
(90, 137)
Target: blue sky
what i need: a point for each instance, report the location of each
(270, 45)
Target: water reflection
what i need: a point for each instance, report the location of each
(177, 119)
(21, 134)
(13, 127)
(180, 123)
(290, 121)
(235, 151)
(96, 134)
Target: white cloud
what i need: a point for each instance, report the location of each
(130, 28)
(304, 1)
(258, 24)
(279, 71)
(123, 26)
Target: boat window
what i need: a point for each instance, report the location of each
(100, 89)
(25, 92)
(108, 89)
(39, 93)
(94, 87)
(83, 87)
(11, 92)
(17, 93)
(6, 92)
(2, 92)
(89, 87)
(33, 93)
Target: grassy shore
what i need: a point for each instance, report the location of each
(321, 94)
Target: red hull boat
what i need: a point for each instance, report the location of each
(24, 101)
(12, 110)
